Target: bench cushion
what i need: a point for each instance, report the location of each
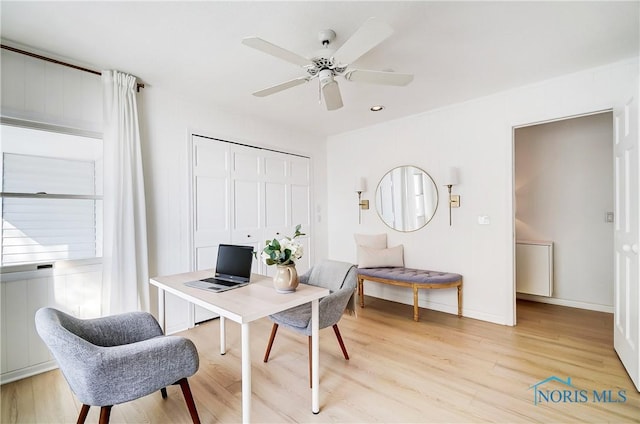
(410, 275)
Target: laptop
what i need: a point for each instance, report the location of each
(233, 269)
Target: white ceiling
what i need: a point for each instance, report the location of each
(457, 50)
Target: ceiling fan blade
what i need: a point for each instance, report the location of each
(369, 35)
(378, 77)
(281, 87)
(331, 94)
(277, 51)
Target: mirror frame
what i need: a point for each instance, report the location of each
(433, 212)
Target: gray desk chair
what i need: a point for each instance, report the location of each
(117, 359)
(341, 279)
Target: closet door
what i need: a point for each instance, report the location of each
(211, 202)
(277, 200)
(299, 179)
(244, 195)
(246, 206)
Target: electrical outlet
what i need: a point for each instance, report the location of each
(609, 217)
(484, 220)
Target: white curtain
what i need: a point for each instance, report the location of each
(125, 261)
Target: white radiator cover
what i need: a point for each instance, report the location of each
(534, 267)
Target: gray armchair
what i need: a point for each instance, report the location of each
(341, 280)
(116, 359)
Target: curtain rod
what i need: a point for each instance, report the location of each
(57, 62)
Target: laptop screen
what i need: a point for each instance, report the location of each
(234, 262)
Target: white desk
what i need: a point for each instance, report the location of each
(243, 305)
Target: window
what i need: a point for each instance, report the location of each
(51, 196)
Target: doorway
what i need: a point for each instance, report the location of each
(563, 198)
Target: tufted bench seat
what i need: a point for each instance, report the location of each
(410, 277)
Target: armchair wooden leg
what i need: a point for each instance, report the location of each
(339, 337)
(188, 397)
(274, 330)
(83, 414)
(105, 412)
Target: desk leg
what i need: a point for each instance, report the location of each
(246, 374)
(161, 311)
(315, 358)
(223, 336)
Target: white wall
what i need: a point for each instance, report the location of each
(476, 137)
(564, 188)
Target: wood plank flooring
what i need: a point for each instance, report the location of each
(441, 369)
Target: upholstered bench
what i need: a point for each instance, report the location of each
(414, 278)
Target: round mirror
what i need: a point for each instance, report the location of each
(406, 198)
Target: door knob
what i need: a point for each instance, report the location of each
(626, 248)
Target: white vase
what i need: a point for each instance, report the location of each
(286, 279)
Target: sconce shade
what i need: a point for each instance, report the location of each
(361, 184)
(452, 177)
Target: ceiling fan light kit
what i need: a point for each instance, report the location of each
(327, 64)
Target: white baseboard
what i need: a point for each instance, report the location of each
(565, 302)
(405, 296)
(10, 376)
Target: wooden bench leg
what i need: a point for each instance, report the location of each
(361, 291)
(416, 316)
(460, 301)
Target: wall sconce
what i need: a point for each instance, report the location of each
(454, 199)
(361, 186)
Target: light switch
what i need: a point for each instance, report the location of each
(484, 220)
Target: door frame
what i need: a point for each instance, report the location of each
(513, 186)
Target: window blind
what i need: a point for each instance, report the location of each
(38, 228)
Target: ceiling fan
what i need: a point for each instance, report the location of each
(328, 63)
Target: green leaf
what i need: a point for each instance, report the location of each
(298, 233)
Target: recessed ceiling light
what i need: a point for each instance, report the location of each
(376, 108)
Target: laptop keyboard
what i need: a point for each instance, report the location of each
(221, 282)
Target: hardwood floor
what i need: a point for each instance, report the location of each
(441, 369)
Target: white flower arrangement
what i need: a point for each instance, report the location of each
(283, 252)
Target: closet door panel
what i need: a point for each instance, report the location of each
(211, 186)
(276, 167)
(276, 207)
(210, 157)
(211, 208)
(206, 257)
(300, 201)
(247, 199)
(246, 163)
(247, 210)
(300, 171)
